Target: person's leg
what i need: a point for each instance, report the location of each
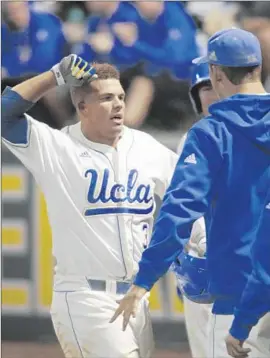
(196, 320)
(258, 340)
(81, 323)
(142, 327)
(218, 327)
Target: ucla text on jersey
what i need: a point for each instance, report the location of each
(130, 195)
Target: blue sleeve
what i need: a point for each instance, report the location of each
(49, 46)
(14, 124)
(255, 301)
(187, 199)
(180, 42)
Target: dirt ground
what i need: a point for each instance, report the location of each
(35, 350)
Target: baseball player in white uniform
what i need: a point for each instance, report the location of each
(197, 315)
(99, 179)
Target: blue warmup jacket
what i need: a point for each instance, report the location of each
(255, 301)
(168, 42)
(36, 49)
(121, 55)
(223, 173)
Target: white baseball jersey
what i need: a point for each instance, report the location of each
(100, 200)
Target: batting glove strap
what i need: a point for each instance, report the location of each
(58, 75)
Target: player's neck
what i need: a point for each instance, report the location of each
(250, 88)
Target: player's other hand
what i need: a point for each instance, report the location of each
(73, 71)
(235, 347)
(128, 306)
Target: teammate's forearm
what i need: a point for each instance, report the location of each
(34, 88)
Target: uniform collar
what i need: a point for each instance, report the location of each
(124, 143)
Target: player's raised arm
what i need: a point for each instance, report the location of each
(34, 88)
(33, 142)
(72, 70)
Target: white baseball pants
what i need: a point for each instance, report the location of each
(81, 322)
(258, 341)
(196, 320)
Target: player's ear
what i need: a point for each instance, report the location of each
(216, 73)
(82, 106)
(219, 74)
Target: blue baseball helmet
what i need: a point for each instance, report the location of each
(192, 278)
(200, 76)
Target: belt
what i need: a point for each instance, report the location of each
(114, 287)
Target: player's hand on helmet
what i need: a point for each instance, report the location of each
(73, 71)
(128, 306)
(235, 347)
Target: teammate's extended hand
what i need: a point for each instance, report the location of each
(74, 71)
(128, 306)
(235, 347)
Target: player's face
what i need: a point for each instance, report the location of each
(105, 107)
(17, 13)
(150, 9)
(99, 6)
(207, 96)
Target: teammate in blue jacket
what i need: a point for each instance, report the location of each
(104, 16)
(223, 172)
(32, 42)
(255, 301)
(168, 40)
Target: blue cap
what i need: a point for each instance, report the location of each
(232, 48)
(200, 73)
